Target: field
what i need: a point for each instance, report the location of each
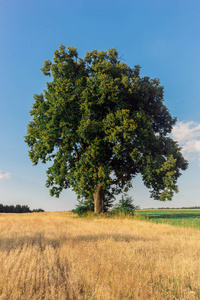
(178, 217)
(60, 256)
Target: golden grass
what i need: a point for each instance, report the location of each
(59, 256)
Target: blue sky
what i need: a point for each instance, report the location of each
(161, 36)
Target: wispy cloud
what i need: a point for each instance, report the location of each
(184, 131)
(4, 175)
(188, 136)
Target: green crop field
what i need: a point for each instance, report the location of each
(178, 217)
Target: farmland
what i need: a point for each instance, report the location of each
(177, 217)
(61, 256)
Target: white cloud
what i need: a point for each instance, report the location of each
(4, 175)
(188, 136)
(184, 131)
(192, 146)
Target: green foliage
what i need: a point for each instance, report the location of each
(14, 209)
(87, 205)
(84, 206)
(99, 122)
(38, 210)
(17, 209)
(125, 205)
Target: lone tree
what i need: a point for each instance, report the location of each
(101, 124)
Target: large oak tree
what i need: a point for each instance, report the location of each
(100, 124)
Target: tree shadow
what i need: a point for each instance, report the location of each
(42, 242)
(38, 240)
(116, 237)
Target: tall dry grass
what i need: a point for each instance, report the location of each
(58, 256)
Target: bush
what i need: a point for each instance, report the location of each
(125, 205)
(84, 206)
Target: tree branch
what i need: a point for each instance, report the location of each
(124, 177)
(83, 145)
(77, 154)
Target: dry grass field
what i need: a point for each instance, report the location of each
(60, 256)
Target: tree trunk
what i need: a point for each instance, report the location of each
(99, 200)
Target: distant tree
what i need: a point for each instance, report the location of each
(17, 209)
(101, 124)
(25, 209)
(11, 209)
(6, 209)
(38, 210)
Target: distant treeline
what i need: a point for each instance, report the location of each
(192, 207)
(17, 209)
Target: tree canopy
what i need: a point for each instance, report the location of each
(100, 124)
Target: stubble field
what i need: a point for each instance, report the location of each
(60, 256)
